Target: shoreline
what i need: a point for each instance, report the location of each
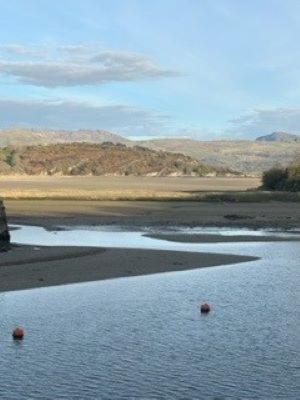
(28, 267)
(214, 238)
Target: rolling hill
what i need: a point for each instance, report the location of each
(100, 159)
(247, 156)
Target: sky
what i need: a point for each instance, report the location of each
(202, 69)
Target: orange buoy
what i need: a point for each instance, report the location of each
(205, 308)
(18, 333)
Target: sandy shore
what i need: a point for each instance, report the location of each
(27, 267)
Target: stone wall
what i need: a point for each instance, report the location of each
(4, 234)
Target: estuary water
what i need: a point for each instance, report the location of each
(144, 338)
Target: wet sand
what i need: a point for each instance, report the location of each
(202, 238)
(27, 267)
(51, 213)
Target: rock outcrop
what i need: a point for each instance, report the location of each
(4, 233)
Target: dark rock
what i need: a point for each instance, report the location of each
(4, 233)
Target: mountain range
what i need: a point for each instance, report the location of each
(250, 157)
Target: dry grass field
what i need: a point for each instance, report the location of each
(119, 188)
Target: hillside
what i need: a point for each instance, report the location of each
(27, 137)
(246, 156)
(251, 157)
(279, 137)
(96, 159)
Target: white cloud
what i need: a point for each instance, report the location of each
(15, 49)
(74, 49)
(75, 115)
(260, 122)
(83, 66)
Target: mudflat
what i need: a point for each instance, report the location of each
(211, 238)
(257, 215)
(27, 267)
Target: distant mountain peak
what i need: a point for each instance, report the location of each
(279, 137)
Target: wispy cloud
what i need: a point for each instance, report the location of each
(266, 121)
(75, 115)
(16, 49)
(76, 49)
(89, 68)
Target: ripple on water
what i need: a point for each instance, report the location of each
(144, 337)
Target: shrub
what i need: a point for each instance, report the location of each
(274, 179)
(282, 178)
(7, 154)
(293, 181)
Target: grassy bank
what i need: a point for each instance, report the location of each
(250, 196)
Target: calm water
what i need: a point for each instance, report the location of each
(144, 338)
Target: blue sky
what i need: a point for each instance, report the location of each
(197, 68)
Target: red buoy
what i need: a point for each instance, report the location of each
(18, 333)
(205, 308)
